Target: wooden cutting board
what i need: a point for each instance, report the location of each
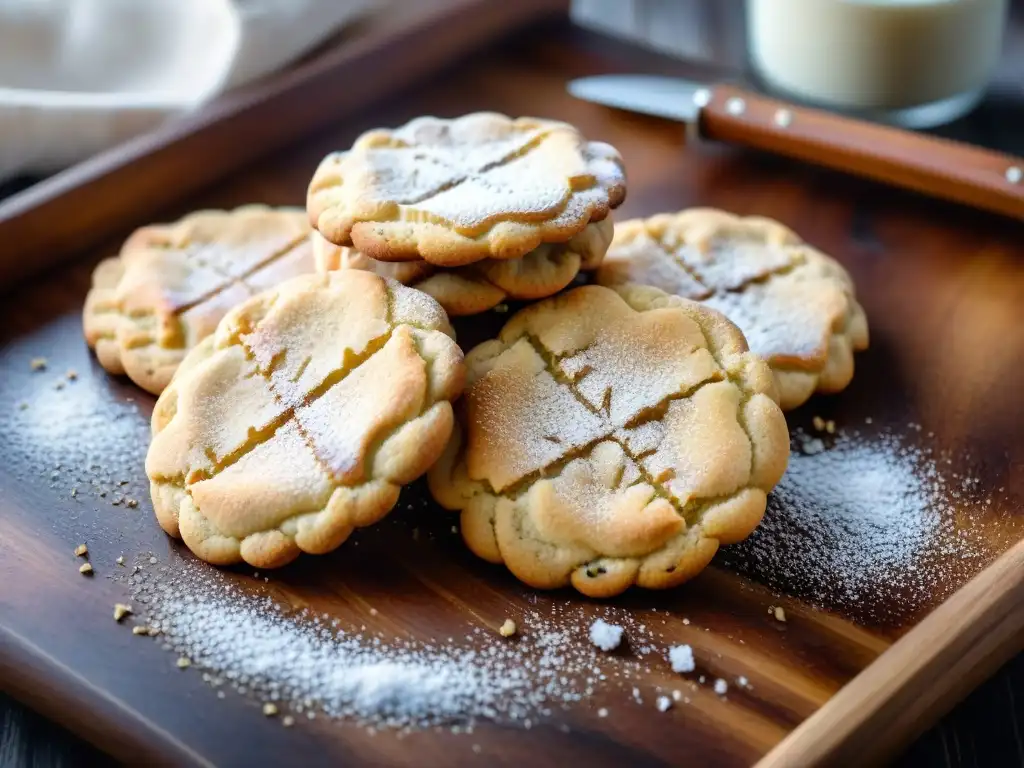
(848, 677)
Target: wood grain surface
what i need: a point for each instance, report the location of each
(941, 286)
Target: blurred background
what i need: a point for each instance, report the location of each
(80, 76)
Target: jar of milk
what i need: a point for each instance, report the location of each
(915, 63)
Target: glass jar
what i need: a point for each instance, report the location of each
(915, 63)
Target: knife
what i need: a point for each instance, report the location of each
(945, 169)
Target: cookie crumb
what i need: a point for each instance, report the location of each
(121, 610)
(508, 628)
(81, 550)
(686, 622)
(74, 493)
(270, 709)
(602, 712)
(38, 363)
(605, 636)
(72, 374)
(132, 503)
(183, 662)
(664, 704)
(830, 427)
(85, 569)
(140, 629)
(721, 687)
(501, 308)
(374, 611)
(681, 659)
(455, 529)
(780, 614)
(287, 721)
(818, 423)
(120, 560)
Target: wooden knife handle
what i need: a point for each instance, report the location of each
(938, 167)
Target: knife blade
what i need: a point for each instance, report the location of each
(944, 169)
(669, 97)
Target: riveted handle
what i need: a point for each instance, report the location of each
(938, 167)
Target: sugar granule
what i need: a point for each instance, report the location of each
(681, 659)
(605, 636)
(664, 703)
(721, 687)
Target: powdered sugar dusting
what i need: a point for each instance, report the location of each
(301, 661)
(866, 525)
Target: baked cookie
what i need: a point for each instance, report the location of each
(301, 416)
(172, 283)
(453, 192)
(478, 287)
(795, 306)
(612, 437)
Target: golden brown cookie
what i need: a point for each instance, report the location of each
(610, 438)
(454, 192)
(302, 415)
(795, 306)
(172, 283)
(481, 286)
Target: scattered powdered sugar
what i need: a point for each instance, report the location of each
(721, 687)
(251, 642)
(681, 659)
(865, 525)
(605, 636)
(307, 662)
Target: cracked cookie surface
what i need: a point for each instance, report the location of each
(481, 286)
(301, 416)
(795, 306)
(172, 283)
(612, 437)
(454, 192)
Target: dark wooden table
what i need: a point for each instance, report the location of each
(987, 729)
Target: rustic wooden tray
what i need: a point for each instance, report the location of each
(844, 680)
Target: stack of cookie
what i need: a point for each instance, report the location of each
(472, 211)
(612, 434)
